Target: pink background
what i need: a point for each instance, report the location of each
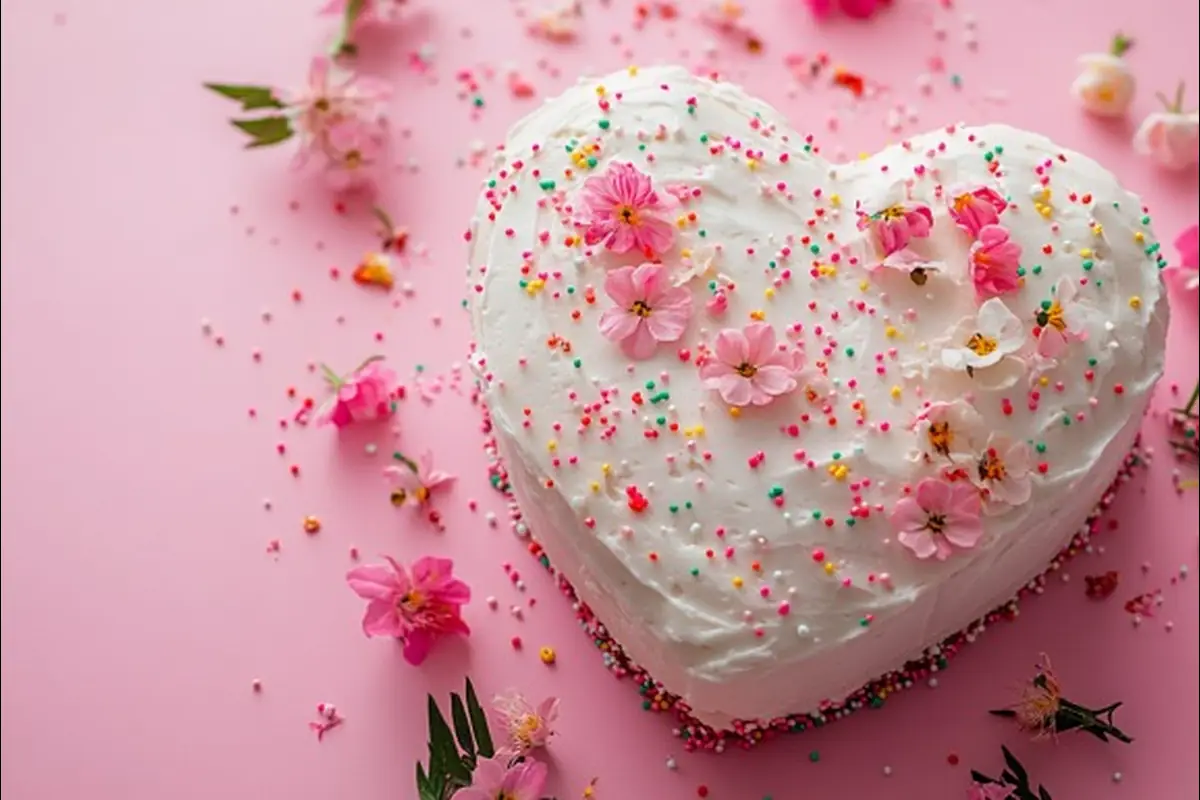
(138, 600)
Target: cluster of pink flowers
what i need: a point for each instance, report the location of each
(497, 779)
(365, 395)
(994, 257)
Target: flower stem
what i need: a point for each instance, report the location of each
(1120, 45)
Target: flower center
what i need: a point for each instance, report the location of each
(1106, 92)
(892, 212)
(398, 497)
(991, 466)
(525, 727)
(982, 345)
(410, 602)
(746, 369)
(1053, 317)
(322, 104)
(982, 258)
(628, 215)
(639, 308)
(353, 159)
(962, 201)
(935, 523)
(940, 437)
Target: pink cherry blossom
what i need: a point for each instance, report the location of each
(415, 481)
(365, 395)
(1187, 273)
(974, 208)
(896, 225)
(334, 96)
(354, 149)
(648, 309)
(749, 368)
(938, 515)
(626, 213)
(494, 779)
(1004, 472)
(988, 791)
(527, 726)
(416, 606)
(994, 259)
(918, 269)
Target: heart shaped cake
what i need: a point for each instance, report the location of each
(786, 424)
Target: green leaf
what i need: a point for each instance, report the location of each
(442, 747)
(479, 723)
(1015, 766)
(1043, 794)
(1007, 713)
(342, 45)
(265, 131)
(462, 726)
(251, 97)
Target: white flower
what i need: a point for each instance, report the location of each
(1063, 320)
(984, 340)
(1170, 137)
(948, 430)
(1003, 473)
(698, 262)
(1105, 86)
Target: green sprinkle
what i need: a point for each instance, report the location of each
(816, 515)
(570, 290)
(864, 622)
(1046, 305)
(1041, 447)
(691, 109)
(642, 148)
(646, 705)
(1020, 272)
(1154, 248)
(478, 101)
(547, 184)
(702, 233)
(604, 124)
(989, 156)
(661, 420)
(808, 148)
(1037, 269)
(1146, 220)
(591, 162)
(674, 509)
(999, 149)
(649, 386)
(492, 183)
(1087, 265)
(851, 521)
(1066, 421)
(771, 264)
(687, 504)
(775, 491)
(695, 571)
(956, 80)
(704, 138)
(814, 249)
(420, 367)
(522, 283)
(850, 352)
(578, 363)
(1092, 362)
(837, 455)
(814, 756)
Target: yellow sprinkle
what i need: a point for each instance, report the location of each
(863, 286)
(1044, 381)
(751, 164)
(547, 655)
(535, 286)
(890, 331)
(685, 252)
(735, 412)
(863, 156)
(737, 582)
(769, 292)
(835, 200)
(1135, 302)
(839, 471)
(600, 90)
(830, 568)
(681, 221)
(1097, 229)
(632, 70)
(606, 468)
(1139, 237)
(594, 486)
(551, 445)
(828, 270)
(758, 315)
(1085, 252)
(896, 392)
(1045, 211)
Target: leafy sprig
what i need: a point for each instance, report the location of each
(1015, 776)
(453, 754)
(263, 131)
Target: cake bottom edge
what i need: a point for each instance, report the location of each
(746, 734)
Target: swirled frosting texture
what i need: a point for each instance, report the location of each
(761, 558)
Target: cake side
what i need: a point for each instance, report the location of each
(729, 583)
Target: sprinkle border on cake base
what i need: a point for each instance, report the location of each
(750, 733)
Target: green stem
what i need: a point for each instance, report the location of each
(332, 378)
(404, 460)
(385, 219)
(1191, 403)
(1120, 45)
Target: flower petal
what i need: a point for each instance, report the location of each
(373, 582)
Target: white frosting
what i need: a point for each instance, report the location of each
(711, 627)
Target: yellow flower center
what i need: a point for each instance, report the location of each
(982, 345)
(991, 467)
(940, 437)
(962, 201)
(746, 369)
(628, 215)
(353, 159)
(1054, 317)
(640, 308)
(411, 601)
(1106, 92)
(892, 212)
(524, 729)
(322, 104)
(936, 523)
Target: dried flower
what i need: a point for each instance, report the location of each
(1043, 711)
(1013, 783)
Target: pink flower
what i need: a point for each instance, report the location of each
(415, 481)
(918, 269)
(749, 369)
(988, 791)
(334, 96)
(626, 213)
(369, 10)
(528, 726)
(648, 309)
(365, 395)
(415, 608)
(857, 9)
(353, 148)
(1170, 138)
(1188, 245)
(973, 209)
(898, 224)
(941, 514)
(994, 260)
(493, 779)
